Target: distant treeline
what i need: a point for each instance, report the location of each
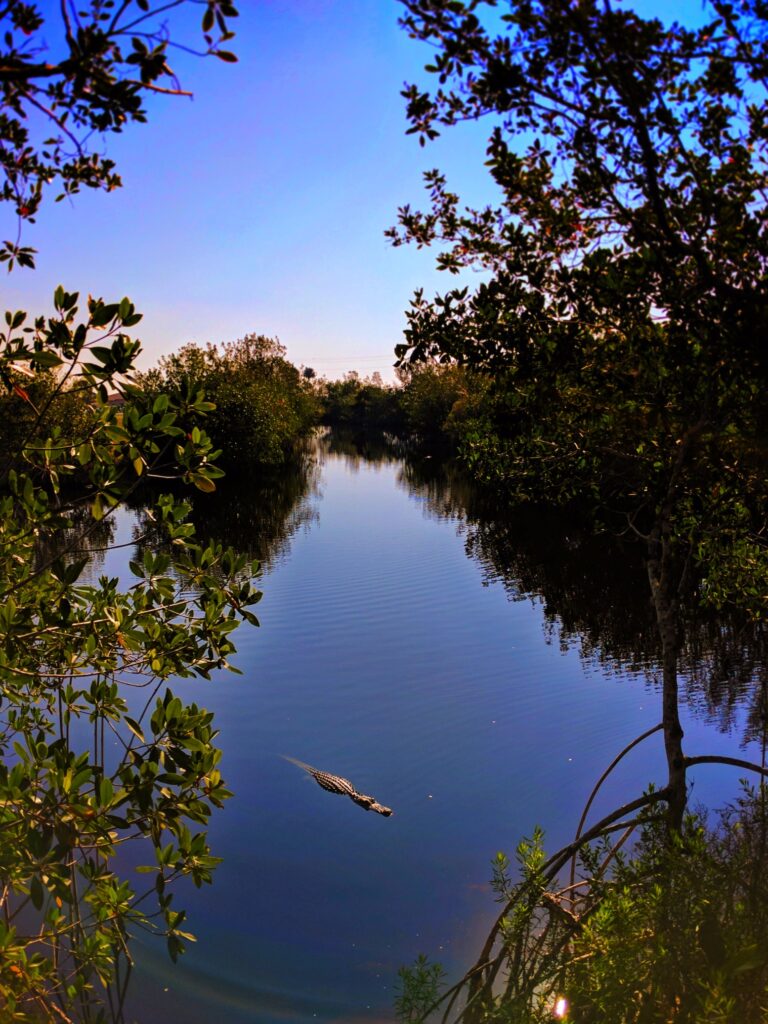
(431, 405)
(258, 405)
(264, 404)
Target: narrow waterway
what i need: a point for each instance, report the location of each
(394, 651)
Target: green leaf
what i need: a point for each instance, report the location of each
(202, 483)
(36, 892)
(104, 314)
(106, 791)
(135, 728)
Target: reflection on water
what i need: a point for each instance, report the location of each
(357, 451)
(260, 515)
(594, 596)
(389, 657)
(85, 539)
(257, 515)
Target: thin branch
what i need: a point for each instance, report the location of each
(159, 88)
(145, 17)
(737, 762)
(602, 779)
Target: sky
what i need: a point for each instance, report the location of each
(260, 205)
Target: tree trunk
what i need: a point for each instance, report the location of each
(665, 601)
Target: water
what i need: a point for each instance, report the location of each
(396, 649)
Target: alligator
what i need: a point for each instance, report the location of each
(337, 784)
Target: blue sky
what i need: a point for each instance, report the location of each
(260, 205)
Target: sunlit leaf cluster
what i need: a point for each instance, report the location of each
(103, 765)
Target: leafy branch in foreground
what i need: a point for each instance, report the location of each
(98, 755)
(418, 990)
(673, 929)
(81, 72)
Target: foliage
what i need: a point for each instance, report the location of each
(20, 401)
(81, 662)
(670, 931)
(431, 405)
(620, 317)
(257, 515)
(637, 194)
(261, 403)
(68, 77)
(361, 404)
(418, 989)
(84, 661)
(624, 298)
(442, 403)
(627, 259)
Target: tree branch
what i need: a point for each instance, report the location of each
(737, 762)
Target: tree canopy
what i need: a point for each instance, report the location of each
(96, 750)
(631, 158)
(623, 306)
(68, 78)
(262, 404)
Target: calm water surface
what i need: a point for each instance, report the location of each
(389, 652)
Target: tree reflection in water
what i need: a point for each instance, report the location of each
(257, 515)
(661, 929)
(593, 591)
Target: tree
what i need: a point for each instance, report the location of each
(82, 661)
(73, 652)
(439, 401)
(263, 405)
(362, 405)
(625, 301)
(82, 72)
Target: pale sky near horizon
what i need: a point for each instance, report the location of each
(260, 205)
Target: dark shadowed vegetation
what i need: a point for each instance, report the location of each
(431, 407)
(262, 405)
(662, 929)
(360, 405)
(623, 298)
(97, 754)
(619, 323)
